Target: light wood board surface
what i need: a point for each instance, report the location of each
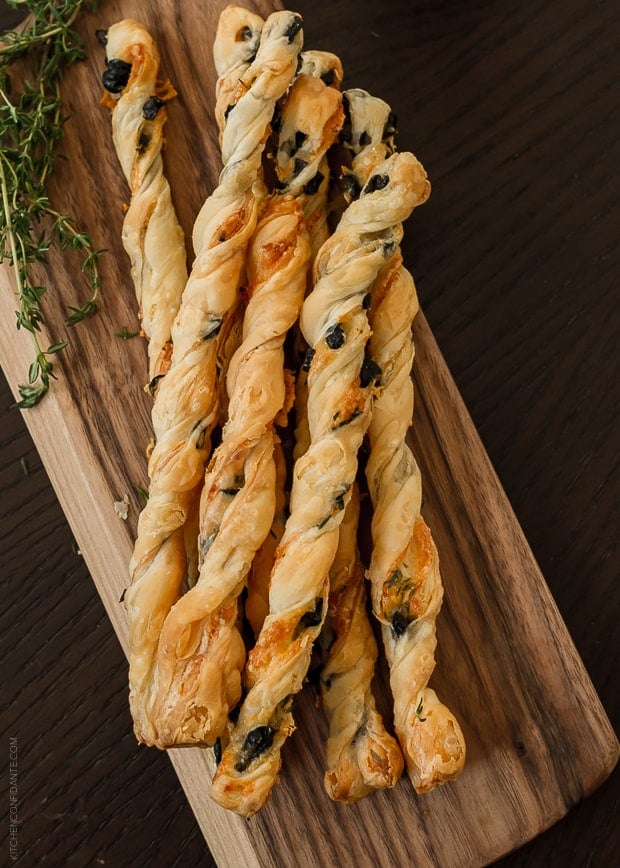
(538, 739)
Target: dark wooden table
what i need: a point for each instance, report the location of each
(512, 108)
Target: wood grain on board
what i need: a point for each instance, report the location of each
(538, 738)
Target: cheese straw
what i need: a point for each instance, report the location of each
(152, 236)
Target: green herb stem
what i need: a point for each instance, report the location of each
(31, 122)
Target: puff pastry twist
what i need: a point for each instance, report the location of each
(342, 385)
(151, 235)
(404, 569)
(310, 118)
(186, 405)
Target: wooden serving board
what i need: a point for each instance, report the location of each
(538, 739)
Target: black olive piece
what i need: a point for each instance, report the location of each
(213, 328)
(144, 140)
(217, 751)
(308, 359)
(151, 108)
(335, 337)
(116, 75)
(293, 29)
(299, 165)
(102, 37)
(256, 742)
(360, 732)
(300, 138)
(389, 247)
(370, 371)
(328, 77)
(153, 385)
(312, 618)
(350, 186)
(399, 624)
(366, 301)
(376, 182)
(339, 502)
(364, 138)
(312, 187)
(206, 542)
(346, 421)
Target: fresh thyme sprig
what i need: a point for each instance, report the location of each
(30, 129)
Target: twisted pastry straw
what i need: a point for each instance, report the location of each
(152, 236)
(310, 119)
(404, 568)
(236, 44)
(342, 385)
(361, 755)
(234, 49)
(186, 404)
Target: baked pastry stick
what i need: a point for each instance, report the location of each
(361, 755)
(238, 499)
(404, 568)
(342, 385)
(309, 122)
(236, 43)
(152, 236)
(186, 403)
